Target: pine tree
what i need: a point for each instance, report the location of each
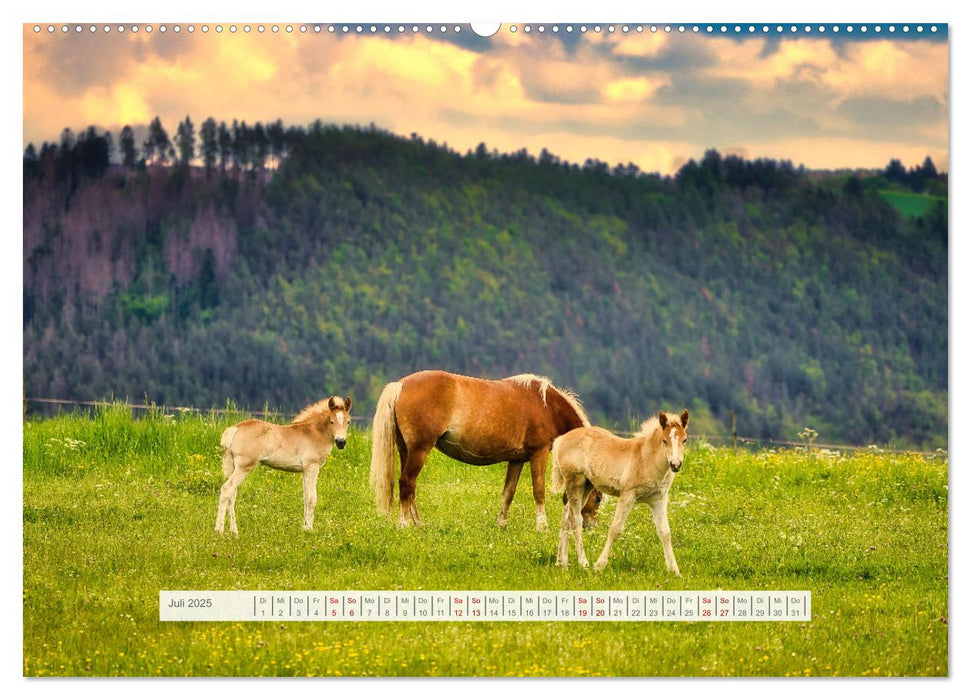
(225, 141)
(209, 147)
(157, 146)
(260, 147)
(241, 145)
(895, 171)
(276, 135)
(185, 141)
(126, 143)
(93, 152)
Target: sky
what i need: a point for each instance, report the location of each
(654, 98)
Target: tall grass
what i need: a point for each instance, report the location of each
(117, 508)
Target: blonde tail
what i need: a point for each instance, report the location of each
(382, 447)
(557, 484)
(226, 442)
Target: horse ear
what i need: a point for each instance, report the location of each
(684, 418)
(332, 403)
(662, 418)
(347, 404)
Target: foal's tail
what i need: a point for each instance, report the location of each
(557, 484)
(382, 447)
(226, 442)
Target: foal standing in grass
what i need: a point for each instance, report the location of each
(299, 447)
(639, 469)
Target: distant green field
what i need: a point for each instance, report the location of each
(116, 509)
(910, 203)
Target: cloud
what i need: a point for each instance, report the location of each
(883, 67)
(903, 70)
(632, 89)
(785, 91)
(888, 115)
(119, 104)
(646, 44)
(652, 98)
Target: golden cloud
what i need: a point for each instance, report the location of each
(893, 69)
(120, 104)
(632, 89)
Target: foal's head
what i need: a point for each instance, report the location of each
(673, 437)
(340, 418)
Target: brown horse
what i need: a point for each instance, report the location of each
(476, 421)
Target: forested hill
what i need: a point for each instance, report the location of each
(794, 299)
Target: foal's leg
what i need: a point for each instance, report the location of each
(659, 508)
(624, 504)
(537, 468)
(509, 490)
(566, 527)
(575, 502)
(410, 468)
(232, 498)
(227, 496)
(310, 472)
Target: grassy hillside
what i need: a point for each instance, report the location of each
(737, 285)
(115, 510)
(911, 203)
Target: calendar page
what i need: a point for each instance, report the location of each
(519, 348)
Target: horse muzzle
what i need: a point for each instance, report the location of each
(675, 467)
(340, 442)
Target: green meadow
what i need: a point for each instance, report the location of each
(116, 509)
(910, 203)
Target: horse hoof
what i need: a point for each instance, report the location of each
(501, 522)
(542, 527)
(599, 566)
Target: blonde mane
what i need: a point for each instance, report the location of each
(321, 408)
(648, 427)
(525, 380)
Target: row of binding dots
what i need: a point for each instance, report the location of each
(247, 29)
(728, 28)
(176, 28)
(526, 28)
